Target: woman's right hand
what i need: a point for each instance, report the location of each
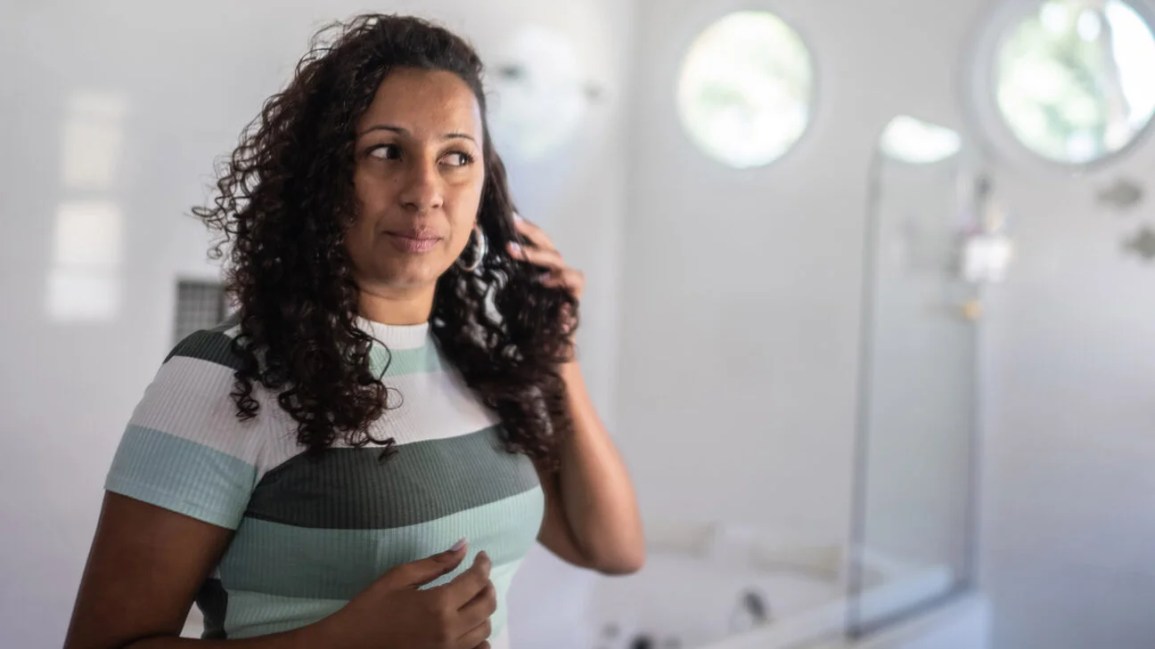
(392, 613)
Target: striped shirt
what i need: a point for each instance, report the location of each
(311, 533)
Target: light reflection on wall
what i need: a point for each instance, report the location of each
(84, 282)
(917, 142)
(539, 94)
(85, 278)
(93, 141)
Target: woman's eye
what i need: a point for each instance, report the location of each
(384, 152)
(459, 159)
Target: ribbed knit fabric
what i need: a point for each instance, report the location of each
(311, 533)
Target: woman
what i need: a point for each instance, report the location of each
(399, 375)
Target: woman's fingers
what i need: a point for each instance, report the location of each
(570, 279)
(543, 254)
(544, 257)
(536, 235)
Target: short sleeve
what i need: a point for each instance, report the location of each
(184, 448)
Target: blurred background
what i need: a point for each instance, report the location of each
(869, 312)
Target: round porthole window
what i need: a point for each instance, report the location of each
(1073, 79)
(746, 88)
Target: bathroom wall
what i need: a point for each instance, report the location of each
(740, 330)
(741, 314)
(1069, 355)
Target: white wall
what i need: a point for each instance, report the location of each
(1069, 373)
(1069, 523)
(740, 321)
(742, 294)
(174, 83)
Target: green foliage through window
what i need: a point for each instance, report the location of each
(745, 89)
(1074, 79)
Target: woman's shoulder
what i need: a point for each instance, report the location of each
(213, 345)
(193, 394)
(184, 447)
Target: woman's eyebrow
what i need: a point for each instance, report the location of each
(458, 136)
(455, 135)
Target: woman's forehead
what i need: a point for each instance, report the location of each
(424, 104)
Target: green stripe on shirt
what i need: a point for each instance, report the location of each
(181, 475)
(292, 561)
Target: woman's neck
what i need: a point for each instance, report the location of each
(410, 308)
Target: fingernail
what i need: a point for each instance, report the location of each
(515, 247)
(457, 546)
(517, 217)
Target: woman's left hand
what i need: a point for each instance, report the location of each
(542, 253)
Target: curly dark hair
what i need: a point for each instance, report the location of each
(284, 201)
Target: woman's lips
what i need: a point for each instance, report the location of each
(413, 242)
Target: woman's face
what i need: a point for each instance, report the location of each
(418, 177)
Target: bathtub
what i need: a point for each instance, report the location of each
(719, 587)
(699, 583)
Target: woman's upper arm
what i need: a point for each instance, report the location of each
(178, 485)
(143, 572)
(555, 533)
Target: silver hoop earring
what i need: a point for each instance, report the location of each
(482, 247)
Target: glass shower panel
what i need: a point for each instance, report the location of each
(913, 526)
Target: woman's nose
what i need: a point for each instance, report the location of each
(423, 189)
